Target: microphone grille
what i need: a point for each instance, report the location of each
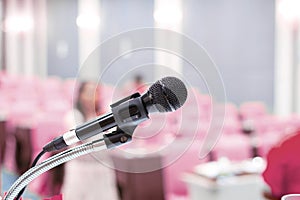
(168, 94)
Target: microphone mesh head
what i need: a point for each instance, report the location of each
(168, 94)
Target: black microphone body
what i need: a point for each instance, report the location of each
(165, 95)
(95, 126)
(126, 115)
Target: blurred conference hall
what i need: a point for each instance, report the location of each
(66, 64)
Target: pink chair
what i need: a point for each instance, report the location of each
(174, 186)
(69, 90)
(193, 97)
(52, 82)
(10, 81)
(201, 103)
(198, 111)
(29, 82)
(27, 94)
(19, 115)
(153, 132)
(271, 129)
(46, 128)
(2, 77)
(291, 123)
(234, 147)
(5, 102)
(205, 100)
(252, 110)
(50, 89)
(268, 123)
(58, 107)
(269, 140)
(231, 126)
(181, 121)
(231, 111)
(205, 105)
(52, 97)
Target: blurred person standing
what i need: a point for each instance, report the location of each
(283, 168)
(85, 177)
(137, 85)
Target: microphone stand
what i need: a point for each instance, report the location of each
(128, 113)
(110, 140)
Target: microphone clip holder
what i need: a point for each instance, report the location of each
(117, 138)
(128, 113)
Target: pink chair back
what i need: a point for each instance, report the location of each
(46, 128)
(69, 90)
(21, 114)
(252, 110)
(185, 163)
(231, 126)
(269, 140)
(229, 145)
(153, 131)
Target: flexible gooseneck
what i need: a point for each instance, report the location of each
(52, 162)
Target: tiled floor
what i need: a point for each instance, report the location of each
(8, 178)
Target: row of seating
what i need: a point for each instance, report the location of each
(34, 109)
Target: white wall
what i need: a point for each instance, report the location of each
(239, 36)
(287, 60)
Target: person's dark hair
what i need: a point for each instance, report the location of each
(138, 78)
(81, 89)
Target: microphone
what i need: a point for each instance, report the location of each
(165, 95)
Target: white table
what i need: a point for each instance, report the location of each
(227, 187)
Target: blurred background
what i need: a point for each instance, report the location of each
(254, 44)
